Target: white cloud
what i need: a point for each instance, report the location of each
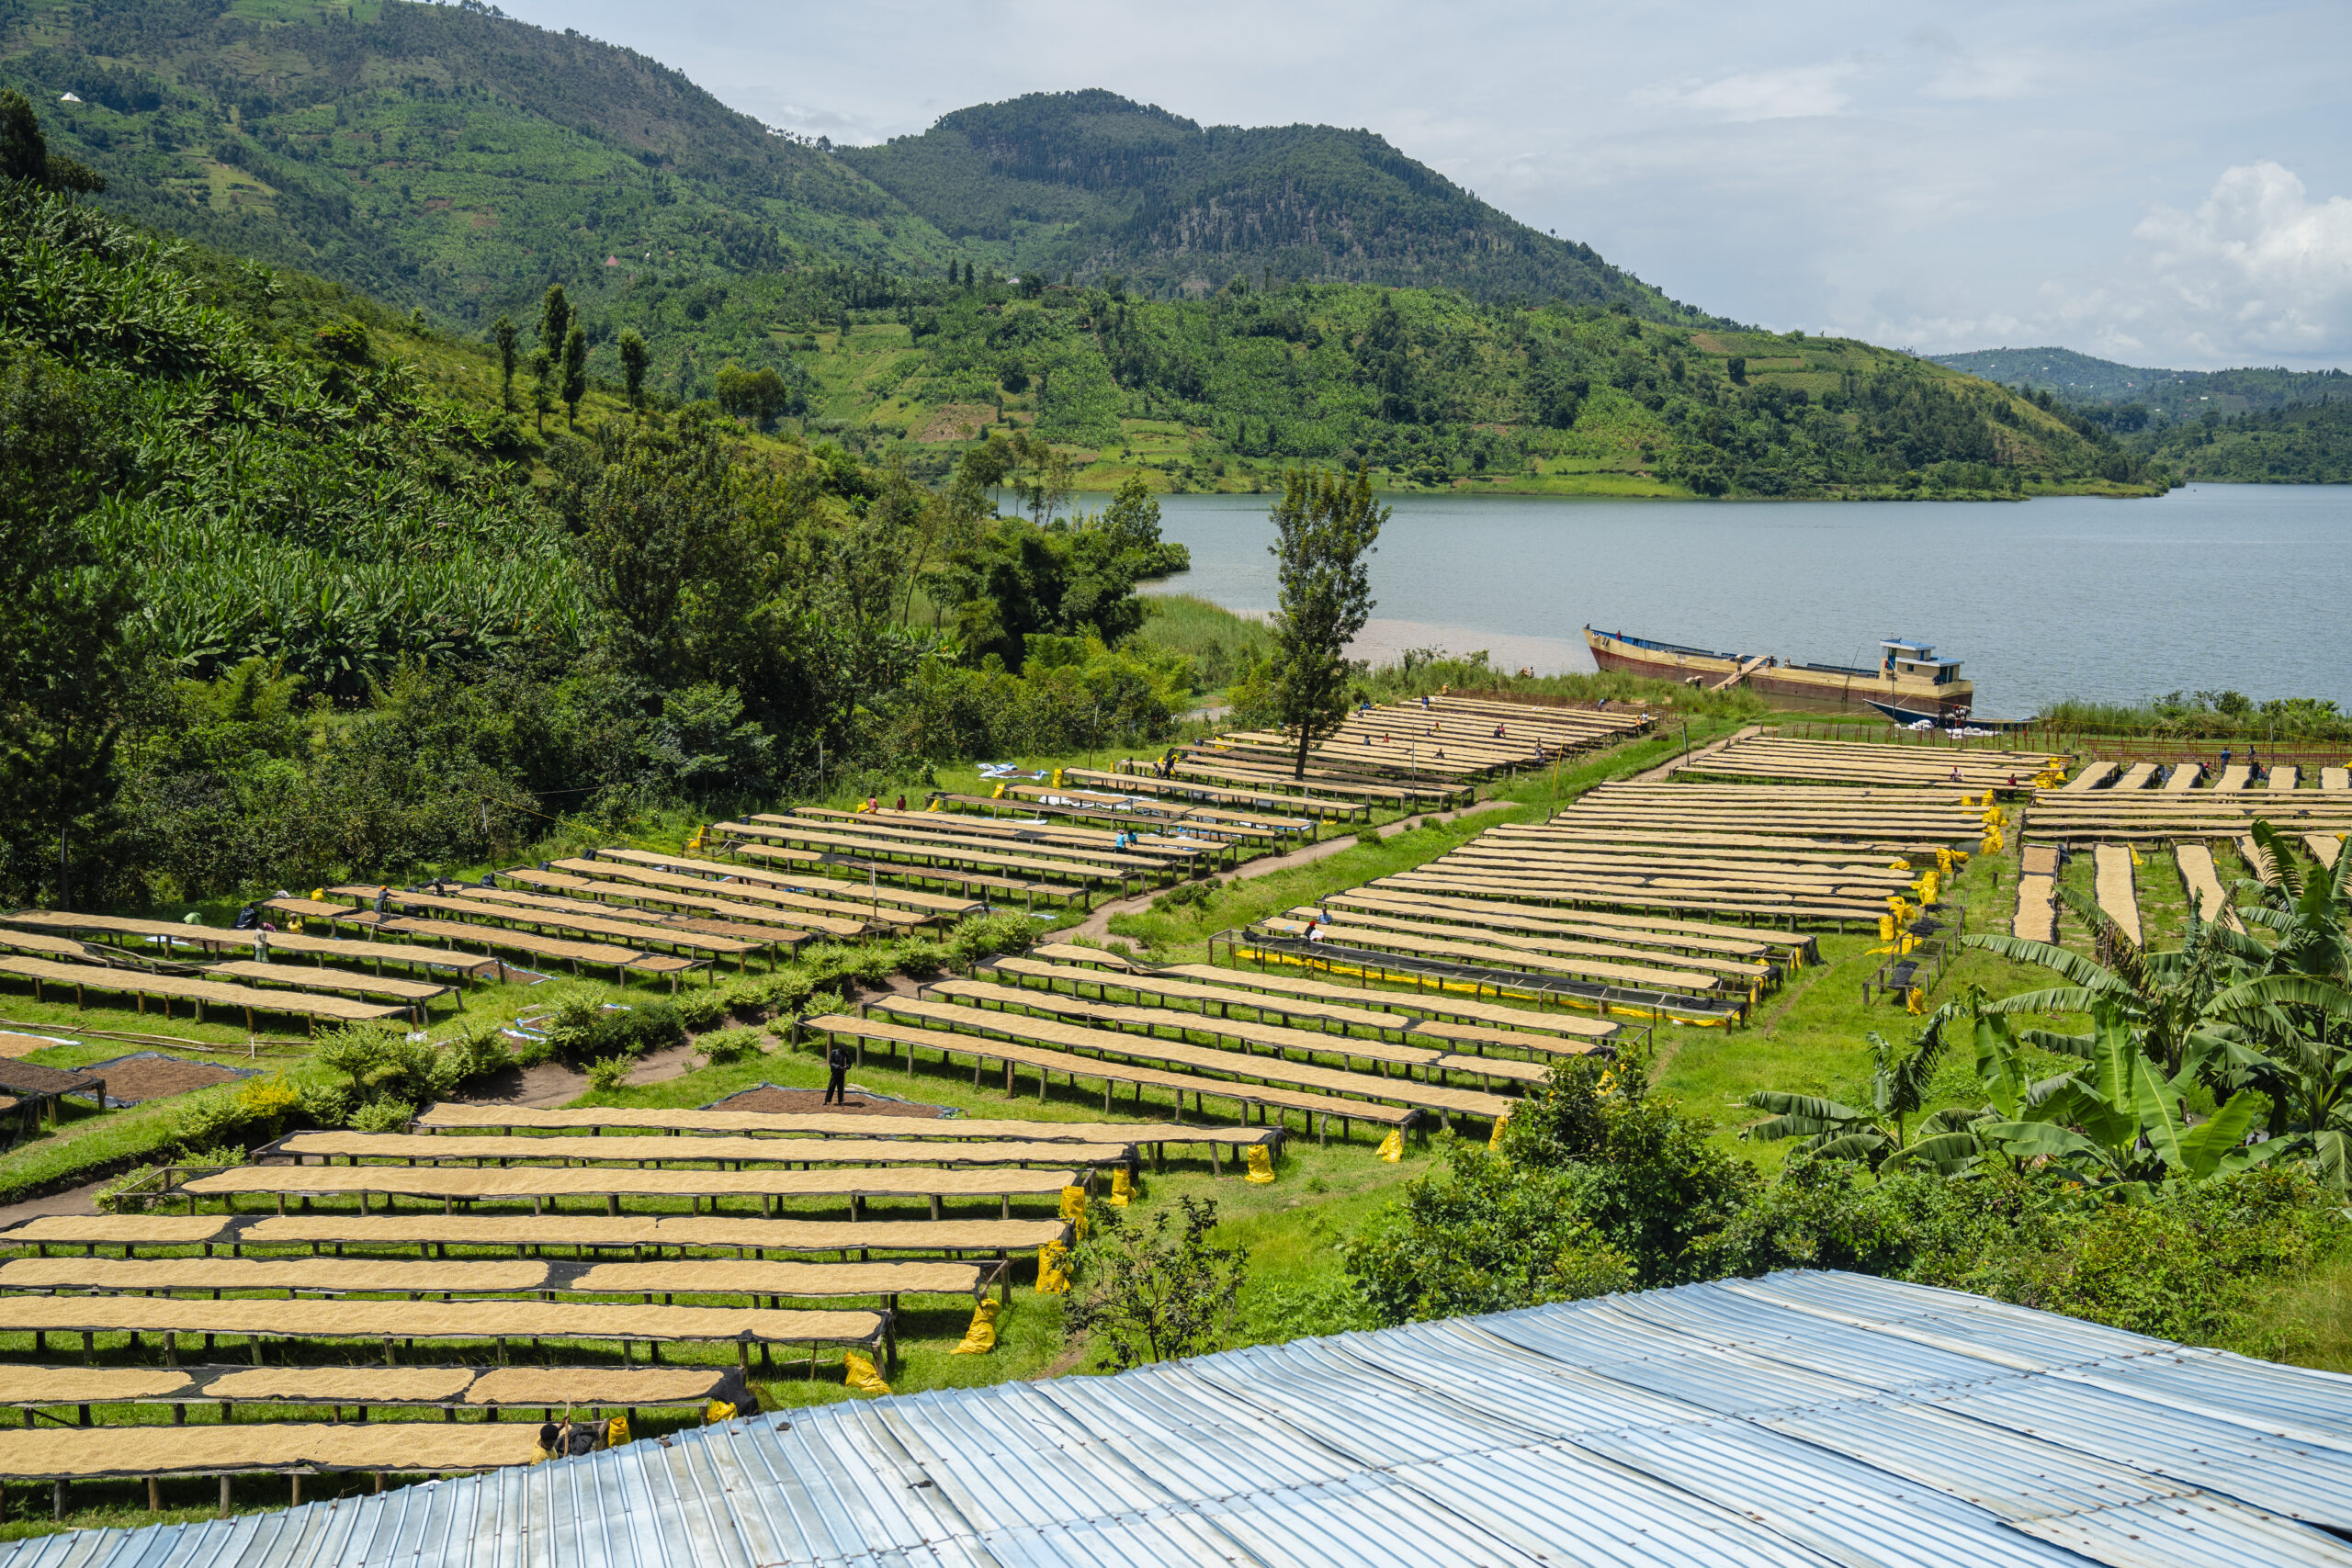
(1795, 92)
(2259, 265)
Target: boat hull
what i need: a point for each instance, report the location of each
(1811, 688)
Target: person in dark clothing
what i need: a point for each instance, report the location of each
(247, 918)
(838, 1057)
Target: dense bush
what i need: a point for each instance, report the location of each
(388, 1066)
(1483, 1236)
(1603, 1185)
(978, 937)
(582, 1029)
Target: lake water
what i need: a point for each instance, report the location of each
(2241, 587)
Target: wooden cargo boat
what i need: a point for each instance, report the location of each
(1909, 682)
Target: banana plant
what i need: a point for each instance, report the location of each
(2118, 1125)
(2191, 1004)
(1879, 1136)
(2304, 906)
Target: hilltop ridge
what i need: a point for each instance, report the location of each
(2164, 395)
(1090, 184)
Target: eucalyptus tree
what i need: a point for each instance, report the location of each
(1325, 527)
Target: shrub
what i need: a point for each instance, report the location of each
(649, 1026)
(699, 1009)
(1155, 1297)
(1369, 837)
(606, 1073)
(583, 1029)
(977, 937)
(384, 1113)
(1646, 1176)
(786, 991)
(1186, 895)
(922, 959)
(729, 1045)
(384, 1059)
(255, 1111)
(1484, 1235)
(746, 998)
(325, 1104)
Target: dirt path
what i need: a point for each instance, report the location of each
(1098, 924)
(74, 1200)
(1665, 771)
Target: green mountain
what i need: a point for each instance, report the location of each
(450, 158)
(1093, 183)
(2160, 396)
(440, 156)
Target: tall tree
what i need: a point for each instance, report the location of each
(555, 320)
(575, 371)
(65, 669)
(542, 386)
(502, 332)
(25, 154)
(650, 523)
(1325, 527)
(635, 357)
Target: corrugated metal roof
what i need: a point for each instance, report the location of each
(1796, 1421)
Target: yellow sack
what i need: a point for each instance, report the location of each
(318, 895)
(1943, 860)
(1898, 865)
(997, 793)
(1262, 1163)
(718, 1410)
(1074, 1207)
(1886, 928)
(1123, 1188)
(1992, 844)
(2135, 857)
(1495, 1138)
(1057, 778)
(616, 1431)
(700, 838)
(1053, 1275)
(934, 804)
(980, 1337)
(858, 1374)
(1915, 1001)
(1392, 1148)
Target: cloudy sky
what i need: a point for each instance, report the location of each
(2164, 184)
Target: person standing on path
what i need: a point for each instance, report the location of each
(838, 1056)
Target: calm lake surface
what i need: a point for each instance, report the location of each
(2211, 587)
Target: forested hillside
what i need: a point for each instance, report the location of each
(2309, 445)
(284, 591)
(2129, 398)
(434, 155)
(1091, 183)
(1427, 389)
